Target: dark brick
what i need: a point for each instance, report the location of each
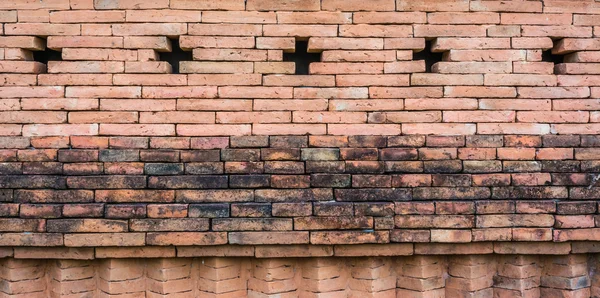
(77, 155)
(10, 168)
(530, 192)
(288, 141)
(251, 210)
(374, 209)
(87, 168)
(244, 167)
(159, 155)
(209, 210)
(364, 167)
(215, 196)
(399, 154)
(571, 179)
(330, 180)
(86, 225)
(292, 209)
(170, 225)
(495, 207)
(451, 193)
(177, 182)
(359, 153)
(119, 155)
(584, 193)
(293, 195)
(126, 211)
(560, 141)
(560, 166)
(484, 141)
(482, 166)
(249, 141)
(445, 141)
(333, 209)
(200, 155)
(163, 168)
(576, 208)
(32, 181)
(240, 154)
(406, 141)
(590, 166)
(284, 167)
(359, 181)
(251, 224)
(6, 195)
(404, 166)
(510, 166)
(590, 141)
(42, 168)
(333, 223)
(249, 181)
(54, 196)
(325, 166)
(373, 194)
(9, 210)
(290, 181)
(442, 166)
(451, 180)
(367, 141)
(135, 196)
(204, 168)
(106, 182)
(280, 154)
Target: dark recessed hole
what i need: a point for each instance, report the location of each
(302, 57)
(175, 56)
(47, 55)
(547, 56)
(430, 57)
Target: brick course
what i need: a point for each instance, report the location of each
(426, 127)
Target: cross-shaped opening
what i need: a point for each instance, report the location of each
(301, 57)
(430, 57)
(175, 55)
(47, 55)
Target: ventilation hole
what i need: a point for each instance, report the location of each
(547, 56)
(175, 56)
(47, 55)
(430, 57)
(302, 57)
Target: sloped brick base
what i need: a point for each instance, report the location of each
(224, 277)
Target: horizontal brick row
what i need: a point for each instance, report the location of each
(290, 251)
(308, 5)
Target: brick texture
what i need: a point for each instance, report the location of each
(127, 123)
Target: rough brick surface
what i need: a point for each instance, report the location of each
(429, 127)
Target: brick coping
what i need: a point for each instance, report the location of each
(293, 251)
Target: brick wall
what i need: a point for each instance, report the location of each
(184, 123)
